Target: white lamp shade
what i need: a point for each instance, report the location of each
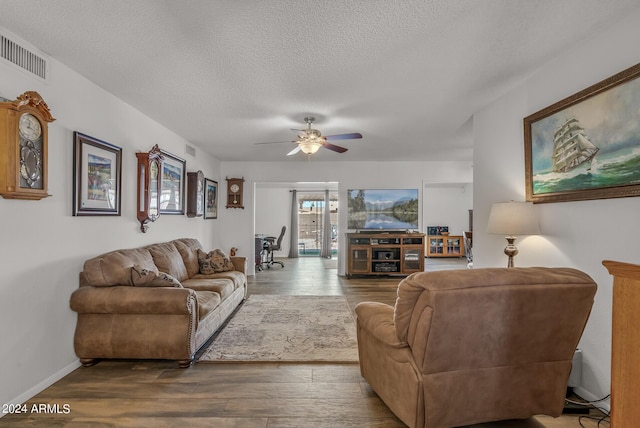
(513, 219)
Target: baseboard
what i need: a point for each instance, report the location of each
(25, 396)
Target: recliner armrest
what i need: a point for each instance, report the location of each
(133, 300)
(377, 319)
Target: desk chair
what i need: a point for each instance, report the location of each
(257, 254)
(468, 248)
(272, 244)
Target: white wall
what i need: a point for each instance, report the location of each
(273, 210)
(238, 230)
(43, 246)
(447, 204)
(576, 234)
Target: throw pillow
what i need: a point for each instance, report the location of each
(213, 262)
(141, 277)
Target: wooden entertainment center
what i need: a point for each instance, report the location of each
(385, 253)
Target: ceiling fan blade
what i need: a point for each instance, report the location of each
(334, 148)
(294, 151)
(351, 136)
(276, 142)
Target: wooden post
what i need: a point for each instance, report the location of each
(625, 344)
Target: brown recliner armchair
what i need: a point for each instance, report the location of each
(471, 346)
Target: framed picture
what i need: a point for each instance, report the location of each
(195, 194)
(172, 185)
(97, 176)
(437, 230)
(586, 146)
(210, 199)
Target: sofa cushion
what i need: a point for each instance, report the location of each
(238, 278)
(207, 302)
(141, 277)
(114, 268)
(188, 249)
(223, 286)
(213, 262)
(168, 259)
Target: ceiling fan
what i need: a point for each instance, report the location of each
(310, 140)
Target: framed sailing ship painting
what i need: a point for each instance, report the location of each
(586, 146)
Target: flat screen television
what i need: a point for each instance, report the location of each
(383, 209)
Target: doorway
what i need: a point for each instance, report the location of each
(312, 222)
(274, 209)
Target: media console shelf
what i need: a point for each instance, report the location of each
(445, 246)
(385, 253)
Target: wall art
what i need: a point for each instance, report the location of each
(210, 199)
(97, 176)
(586, 146)
(173, 178)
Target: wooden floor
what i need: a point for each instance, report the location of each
(158, 394)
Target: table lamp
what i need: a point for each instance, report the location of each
(512, 219)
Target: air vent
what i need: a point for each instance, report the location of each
(28, 59)
(191, 151)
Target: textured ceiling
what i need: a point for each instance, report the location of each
(226, 74)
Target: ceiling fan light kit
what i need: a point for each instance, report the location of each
(311, 140)
(309, 145)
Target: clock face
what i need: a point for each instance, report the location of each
(30, 127)
(234, 188)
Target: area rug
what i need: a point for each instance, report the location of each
(287, 329)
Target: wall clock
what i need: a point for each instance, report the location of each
(234, 192)
(23, 147)
(195, 194)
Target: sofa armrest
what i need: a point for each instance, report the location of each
(133, 300)
(239, 263)
(377, 319)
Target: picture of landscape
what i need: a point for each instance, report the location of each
(99, 179)
(382, 209)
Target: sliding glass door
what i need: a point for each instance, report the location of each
(312, 222)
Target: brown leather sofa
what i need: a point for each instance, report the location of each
(462, 347)
(118, 318)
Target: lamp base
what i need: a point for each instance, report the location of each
(511, 250)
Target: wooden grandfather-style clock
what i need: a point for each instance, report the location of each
(23, 147)
(234, 192)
